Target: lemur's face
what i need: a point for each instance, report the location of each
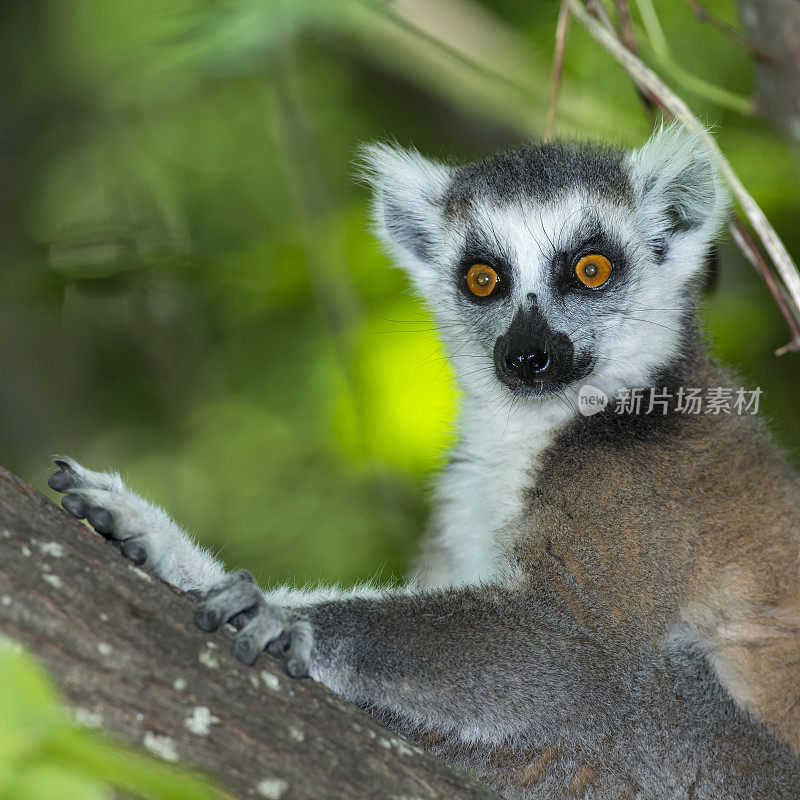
(558, 265)
(538, 285)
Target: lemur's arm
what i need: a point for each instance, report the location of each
(480, 661)
(145, 533)
(500, 667)
(352, 642)
(502, 636)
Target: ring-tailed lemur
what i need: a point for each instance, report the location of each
(608, 605)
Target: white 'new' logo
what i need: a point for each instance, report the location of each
(591, 400)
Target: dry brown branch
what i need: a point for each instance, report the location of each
(744, 241)
(562, 28)
(626, 25)
(649, 82)
(629, 40)
(597, 8)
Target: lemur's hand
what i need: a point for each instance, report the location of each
(282, 630)
(103, 500)
(143, 532)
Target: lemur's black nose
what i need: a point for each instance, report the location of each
(527, 365)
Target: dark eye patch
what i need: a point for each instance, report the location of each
(478, 250)
(586, 242)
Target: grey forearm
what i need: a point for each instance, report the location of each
(481, 663)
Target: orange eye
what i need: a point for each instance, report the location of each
(593, 270)
(481, 280)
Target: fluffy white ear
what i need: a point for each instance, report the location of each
(680, 194)
(407, 203)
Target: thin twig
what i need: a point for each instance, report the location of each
(626, 25)
(790, 347)
(629, 40)
(744, 241)
(562, 28)
(597, 8)
(702, 14)
(644, 77)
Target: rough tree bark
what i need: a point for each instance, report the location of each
(122, 646)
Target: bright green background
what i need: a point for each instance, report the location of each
(190, 291)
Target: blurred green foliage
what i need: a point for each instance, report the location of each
(45, 755)
(190, 290)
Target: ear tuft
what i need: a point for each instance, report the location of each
(677, 185)
(408, 190)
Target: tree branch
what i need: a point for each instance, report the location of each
(123, 649)
(562, 28)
